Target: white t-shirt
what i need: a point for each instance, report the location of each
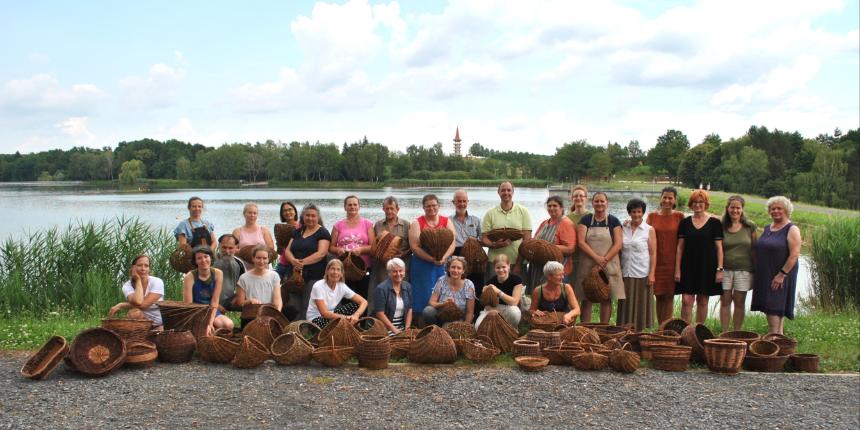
(635, 258)
(156, 286)
(259, 287)
(398, 308)
(332, 298)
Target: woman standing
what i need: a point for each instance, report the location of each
(776, 254)
(290, 216)
(558, 230)
(142, 293)
(599, 239)
(453, 287)
(509, 288)
(331, 298)
(424, 270)
(699, 258)
(306, 252)
(355, 235)
(252, 233)
(555, 295)
(393, 302)
(203, 286)
(665, 222)
(195, 230)
(578, 203)
(638, 259)
(739, 237)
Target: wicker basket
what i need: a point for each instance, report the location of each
(524, 347)
(400, 346)
(633, 339)
(548, 321)
(250, 311)
(306, 329)
(46, 359)
(579, 334)
(746, 336)
(283, 234)
(694, 335)
(532, 363)
(672, 358)
(333, 356)
(608, 332)
(263, 329)
(271, 311)
(373, 352)
(339, 332)
(659, 338)
(498, 234)
(588, 360)
(460, 330)
(386, 247)
(596, 286)
(449, 311)
(763, 348)
(558, 355)
(475, 256)
(787, 345)
(489, 297)
(480, 349)
(354, 268)
(538, 252)
(369, 326)
(251, 354)
(499, 331)
(805, 362)
(433, 345)
(295, 284)
(725, 355)
(675, 324)
(624, 360)
(436, 241)
(140, 353)
(180, 259)
(291, 349)
(246, 253)
(218, 349)
(128, 328)
(546, 339)
(97, 352)
(174, 346)
(773, 363)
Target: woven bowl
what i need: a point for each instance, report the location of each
(774, 363)
(531, 363)
(725, 355)
(787, 345)
(805, 362)
(174, 346)
(524, 347)
(763, 348)
(97, 352)
(140, 353)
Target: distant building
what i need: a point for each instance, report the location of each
(457, 141)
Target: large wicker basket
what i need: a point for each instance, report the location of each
(263, 329)
(283, 234)
(499, 331)
(511, 234)
(373, 352)
(525, 347)
(432, 345)
(354, 267)
(436, 241)
(128, 328)
(539, 252)
(250, 311)
(140, 353)
(694, 335)
(605, 333)
(271, 311)
(333, 356)
(787, 345)
(185, 316)
(180, 259)
(174, 346)
(773, 363)
(449, 311)
(306, 329)
(46, 359)
(660, 338)
(97, 352)
(596, 286)
(675, 324)
(386, 247)
(489, 297)
(624, 360)
(251, 354)
(725, 355)
(475, 256)
(579, 334)
(805, 362)
(400, 346)
(672, 358)
(218, 349)
(369, 326)
(588, 360)
(480, 349)
(547, 321)
(291, 349)
(339, 332)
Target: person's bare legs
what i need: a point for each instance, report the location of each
(774, 324)
(740, 300)
(585, 312)
(665, 304)
(726, 310)
(687, 307)
(605, 311)
(702, 308)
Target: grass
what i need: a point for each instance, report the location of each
(837, 265)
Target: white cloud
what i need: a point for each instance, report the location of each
(160, 88)
(43, 92)
(562, 71)
(776, 84)
(76, 128)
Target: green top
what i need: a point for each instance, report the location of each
(737, 249)
(575, 218)
(518, 217)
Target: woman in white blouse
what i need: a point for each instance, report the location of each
(638, 259)
(331, 298)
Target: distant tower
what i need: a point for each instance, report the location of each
(457, 141)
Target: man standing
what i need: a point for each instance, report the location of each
(506, 214)
(467, 226)
(232, 268)
(397, 226)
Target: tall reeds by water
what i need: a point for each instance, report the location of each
(80, 268)
(836, 264)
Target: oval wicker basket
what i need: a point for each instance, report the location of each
(605, 333)
(773, 363)
(763, 348)
(489, 297)
(672, 358)
(291, 349)
(725, 355)
(97, 352)
(140, 353)
(252, 353)
(805, 362)
(128, 328)
(499, 331)
(596, 286)
(373, 352)
(354, 267)
(539, 252)
(546, 339)
(694, 335)
(624, 360)
(295, 284)
(548, 321)
(263, 329)
(449, 311)
(339, 332)
(675, 324)
(305, 329)
(460, 330)
(511, 234)
(433, 345)
(436, 241)
(532, 363)
(46, 359)
(180, 259)
(588, 360)
(370, 326)
(746, 336)
(283, 234)
(525, 347)
(659, 338)
(174, 346)
(476, 258)
(558, 355)
(218, 349)
(271, 311)
(480, 349)
(787, 345)
(579, 334)
(386, 247)
(333, 356)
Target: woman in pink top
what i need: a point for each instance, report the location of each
(353, 234)
(252, 233)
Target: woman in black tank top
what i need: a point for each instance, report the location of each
(555, 295)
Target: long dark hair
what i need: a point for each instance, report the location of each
(727, 220)
(281, 211)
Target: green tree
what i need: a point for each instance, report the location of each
(183, 169)
(694, 168)
(600, 165)
(131, 171)
(571, 160)
(666, 155)
(746, 172)
(635, 154)
(827, 182)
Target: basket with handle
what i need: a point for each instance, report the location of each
(588, 360)
(252, 353)
(291, 349)
(339, 332)
(480, 349)
(263, 329)
(373, 352)
(306, 329)
(46, 359)
(557, 355)
(650, 340)
(499, 331)
(725, 355)
(579, 334)
(140, 353)
(370, 326)
(354, 268)
(605, 333)
(333, 356)
(547, 320)
(624, 360)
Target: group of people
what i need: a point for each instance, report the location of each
(646, 259)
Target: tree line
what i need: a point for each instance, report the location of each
(824, 169)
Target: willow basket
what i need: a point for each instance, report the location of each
(291, 349)
(805, 362)
(596, 286)
(524, 347)
(725, 355)
(373, 352)
(433, 345)
(369, 326)
(499, 331)
(97, 352)
(774, 363)
(694, 335)
(333, 356)
(339, 332)
(174, 346)
(672, 358)
(140, 353)
(218, 349)
(128, 328)
(251, 354)
(787, 345)
(546, 339)
(532, 363)
(46, 359)
(624, 360)
(480, 349)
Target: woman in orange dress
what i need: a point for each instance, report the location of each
(665, 222)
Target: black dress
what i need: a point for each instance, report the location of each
(699, 260)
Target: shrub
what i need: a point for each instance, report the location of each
(835, 266)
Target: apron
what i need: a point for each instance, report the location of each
(600, 240)
(534, 276)
(199, 235)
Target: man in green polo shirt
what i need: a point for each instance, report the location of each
(506, 214)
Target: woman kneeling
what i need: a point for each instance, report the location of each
(203, 285)
(452, 287)
(331, 298)
(142, 292)
(555, 295)
(509, 288)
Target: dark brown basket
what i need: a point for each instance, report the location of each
(400, 346)
(386, 247)
(251, 354)
(548, 321)
(725, 355)
(140, 353)
(558, 355)
(128, 328)
(436, 241)
(596, 286)
(763, 348)
(498, 234)
(250, 311)
(373, 352)
(295, 284)
(291, 349)
(546, 339)
(694, 335)
(339, 332)
(449, 311)
(475, 256)
(774, 363)
(271, 311)
(263, 329)
(460, 330)
(174, 346)
(46, 359)
(633, 339)
(97, 352)
(354, 268)
(433, 345)
(333, 356)
(539, 252)
(532, 363)
(283, 234)
(624, 360)
(659, 338)
(218, 349)
(588, 360)
(672, 358)
(524, 347)
(180, 259)
(306, 329)
(480, 349)
(246, 253)
(787, 345)
(805, 362)
(499, 331)
(608, 332)
(746, 336)
(675, 324)
(579, 334)
(185, 316)
(369, 326)
(489, 297)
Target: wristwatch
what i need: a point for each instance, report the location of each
(719, 269)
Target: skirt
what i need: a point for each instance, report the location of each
(423, 276)
(638, 307)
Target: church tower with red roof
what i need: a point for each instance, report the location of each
(457, 142)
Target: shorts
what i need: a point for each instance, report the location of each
(737, 280)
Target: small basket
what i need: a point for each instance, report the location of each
(725, 355)
(283, 234)
(436, 241)
(306, 329)
(579, 334)
(369, 326)
(218, 349)
(672, 358)
(250, 311)
(773, 363)
(596, 286)
(333, 356)
(588, 360)
(433, 345)
(354, 268)
(787, 345)
(675, 324)
(295, 284)
(548, 321)
(46, 359)
(263, 329)
(546, 339)
(251, 354)
(128, 328)
(694, 335)
(291, 349)
(499, 331)
(97, 352)
(763, 348)
(660, 338)
(480, 349)
(373, 352)
(532, 363)
(489, 297)
(140, 353)
(449, 311)
(746, 336)
(557, 355)
(805, 362)
(511, 234)
(180, 259)
(339, 332)
(524, 347)
(475, 256)
(174, 346)
(624, 360)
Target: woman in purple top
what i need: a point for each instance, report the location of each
(307, 251)
(355, 235)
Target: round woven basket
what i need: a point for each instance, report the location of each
(386, 247)
(174, 346)
(588, 360)
(291, 349)
(489, 297)
(218, 349)
(140, 353)
(608, 332)
(449, 311)
(373, 352)
(773, 363)
(46, 359)
(525, 347)
(436, 241)
(675, 324)
(624, 360)
(251, 354)
(672, 358)
(339, 332)
(805, 362)
(746, 336)
(460, 330)
(498, 234)
(694, 335)
(763, 348)
(128, 328)
(433, 345)
(369, 326)
(294, 284)
(263, 329)
(546, 339)
(787, 345)
(333, 356)
(557, 355)
(354, 268)
(283, 234)
(658, 338)
(596, 286)
(97, 352)
(725, 355)
(306, 329)
(548, 321)
(532, 363)
(579, 334)
(475, 256)
(539, 252)
(499, 331)
(272, 312)
(180, 259)
(480, 349)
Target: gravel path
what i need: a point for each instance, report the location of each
(406, 396)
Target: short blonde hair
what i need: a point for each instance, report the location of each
(552, 267)
(501, 258)
(249, 206)
(780, 200)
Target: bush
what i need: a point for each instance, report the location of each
(835, 268)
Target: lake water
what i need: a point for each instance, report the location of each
(32, 207)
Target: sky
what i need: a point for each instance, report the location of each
(512, 75)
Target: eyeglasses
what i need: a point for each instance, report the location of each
(456, 258)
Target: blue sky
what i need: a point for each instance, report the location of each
(513, 75)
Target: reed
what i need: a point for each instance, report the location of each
(836, 264)
(80, 268)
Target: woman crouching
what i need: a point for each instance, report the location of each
(142, 292)
(331, 298)
(203, 286)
